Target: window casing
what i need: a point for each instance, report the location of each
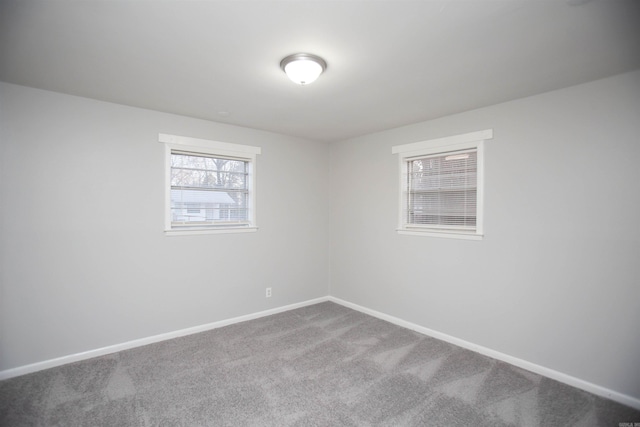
(210, 186)
(442, 186)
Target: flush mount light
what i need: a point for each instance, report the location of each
(303, 68)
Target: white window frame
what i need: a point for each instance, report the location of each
(408, 152)
(216, 148)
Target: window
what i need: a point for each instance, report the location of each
(441, 186)
(210, 186)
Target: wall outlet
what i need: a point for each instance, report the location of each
(268, 293)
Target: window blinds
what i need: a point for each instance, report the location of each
(442, 190)
(208, 190)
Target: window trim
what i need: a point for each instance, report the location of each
(407, 152)
(216, 148)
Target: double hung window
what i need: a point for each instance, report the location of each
(210, 186)
(441, 184)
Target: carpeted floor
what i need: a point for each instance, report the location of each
(322, 365)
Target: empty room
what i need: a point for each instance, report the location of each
(320, 213)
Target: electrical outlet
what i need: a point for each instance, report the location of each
(268, 293)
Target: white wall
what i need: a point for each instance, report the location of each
(556, 280)
(84, 262)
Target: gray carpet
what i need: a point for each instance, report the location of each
(322, 365)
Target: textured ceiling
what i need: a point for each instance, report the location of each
(390, 63)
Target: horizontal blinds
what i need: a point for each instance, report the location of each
(208, 190)
(442, 190)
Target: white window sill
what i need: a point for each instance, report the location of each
(441, 234)
(225, 230)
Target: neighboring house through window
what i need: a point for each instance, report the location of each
(210, 186)
(442, 186)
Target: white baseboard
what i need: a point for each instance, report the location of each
(541, 370)
(34, 367)
(532, 367)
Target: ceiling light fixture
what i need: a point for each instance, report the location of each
(303, 68)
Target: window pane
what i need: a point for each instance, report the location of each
(442, 190)
(207, 190)
(207, 172)
(211, 206)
